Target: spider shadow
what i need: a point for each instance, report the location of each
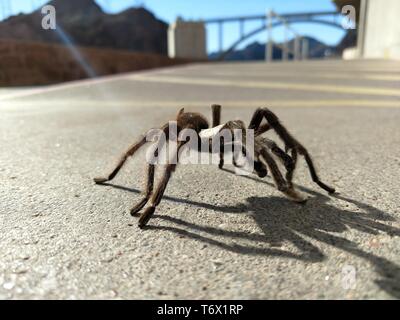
(303, 226)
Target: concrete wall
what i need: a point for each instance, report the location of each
(382, 30)
(34, 63)
(187, 39)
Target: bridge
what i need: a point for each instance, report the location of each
(269, 21)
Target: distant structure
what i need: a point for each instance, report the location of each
(382, 29)
(378, 27)
(187, 39)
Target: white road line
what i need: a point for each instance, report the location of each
(271, 85)
(205, 103)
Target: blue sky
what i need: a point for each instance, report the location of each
(168, 10)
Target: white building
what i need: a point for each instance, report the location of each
(187, 39)
(381, 38)
(378, 29)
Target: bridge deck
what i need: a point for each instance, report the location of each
(302, 15)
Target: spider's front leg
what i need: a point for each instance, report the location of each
(259, 167)
(280, 182)
(290, 142)
(158, 194)
(130, 152)
(148, 190)
(225, 138)
(288, 161)
(150, 175)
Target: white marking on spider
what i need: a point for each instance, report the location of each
(210, 133)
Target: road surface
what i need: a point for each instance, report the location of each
(215, 235)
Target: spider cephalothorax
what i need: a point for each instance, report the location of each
(265, 153)
(195, 121)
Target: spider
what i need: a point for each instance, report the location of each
(265, 150)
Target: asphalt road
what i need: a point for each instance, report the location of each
(215, 235)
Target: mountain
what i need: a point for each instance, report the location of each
(256, 51)
(316, 48)
(85, 23)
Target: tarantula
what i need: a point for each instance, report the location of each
(264, 152)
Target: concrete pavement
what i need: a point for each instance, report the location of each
(215, 235)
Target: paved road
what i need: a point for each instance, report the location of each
(216, 235)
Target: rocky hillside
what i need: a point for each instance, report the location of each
(84, 22)
(24, 63)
